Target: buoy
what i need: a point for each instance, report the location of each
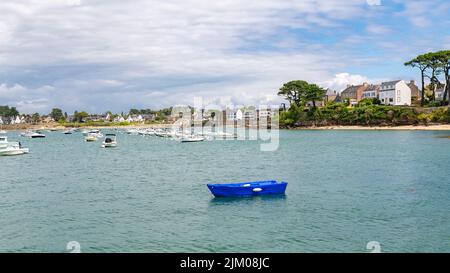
(257, 189)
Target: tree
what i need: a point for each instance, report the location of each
(294, 91)
(436, 68)
(36, 118)
(134, 112)
(443, 58)
(314, 93)
(421, 62)
(7, 111)
(80, 116)
(57, 114)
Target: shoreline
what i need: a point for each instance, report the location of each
(433, 127)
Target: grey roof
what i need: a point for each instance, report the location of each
(351, 89)
(391, 82)
(373, 87)
(331, 92)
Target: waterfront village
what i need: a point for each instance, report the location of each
(391, 93)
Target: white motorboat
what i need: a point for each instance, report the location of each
(85, 132)
(13, 148)
(2, 132)
(191, 138)
(32, 134)
(91, 138)
(110, 141)
(96, 133)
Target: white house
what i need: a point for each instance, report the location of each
(439, 93)
(119, 119)
(371, 92)
(395, 93)
(234, 115)
(266, 113)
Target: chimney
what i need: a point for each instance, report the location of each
(413, 82)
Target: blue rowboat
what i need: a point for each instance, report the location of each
(248, 188)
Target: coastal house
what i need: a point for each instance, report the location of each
(119, 118)
(439, 93)
(371, 92)
(416, 94)
(95, 117)
(265, 113)
(395, 93)
(47, 119)
(234, 114)
(149, 116)
(354, 93)
(330, 96)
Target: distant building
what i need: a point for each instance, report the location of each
(119, 118)
(149, 117)
(416, 94)
(234, 114)
(354, 93)
(47, 119)
(395, 93)
(266, 113)
(330, 96)
(371, 92)
(439, 93)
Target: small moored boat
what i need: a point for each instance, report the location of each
(191, 138)
(11, 148)
(90, 138)
(248, 188)
(34, 134)
(110, 141)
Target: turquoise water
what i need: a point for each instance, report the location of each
(346, 188)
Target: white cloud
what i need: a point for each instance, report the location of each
(378, 29)
(341, 80)
(100, 55)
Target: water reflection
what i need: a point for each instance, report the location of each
(244, 200)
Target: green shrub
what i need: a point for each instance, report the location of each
(434, 104)
(440, 115)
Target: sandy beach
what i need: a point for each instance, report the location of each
(434, 127)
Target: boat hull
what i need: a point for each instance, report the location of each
(10, 152)
(109, 145)
(248, 189)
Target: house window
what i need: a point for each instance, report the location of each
(398, 99)
(391, 100)
(398, 92)
(382, 100)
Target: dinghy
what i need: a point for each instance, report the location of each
(248, 188)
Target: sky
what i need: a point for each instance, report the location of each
(113, 55)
